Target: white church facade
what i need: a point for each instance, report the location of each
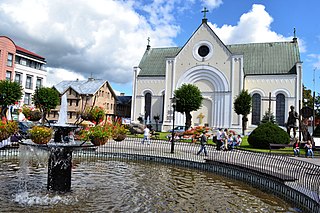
(221, 72)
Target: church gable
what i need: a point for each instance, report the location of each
(203, 46)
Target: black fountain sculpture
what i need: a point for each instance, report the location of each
(60, 152)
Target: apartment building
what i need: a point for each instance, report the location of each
(23, 66)
(85, 93)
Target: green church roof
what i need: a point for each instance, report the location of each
(153, 62)
(272, 58)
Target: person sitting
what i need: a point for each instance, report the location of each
(230, 142)
(237, 141)
(296, 148)
(308, 147)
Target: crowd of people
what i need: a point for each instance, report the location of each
(227, 140)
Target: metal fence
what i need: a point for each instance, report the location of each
(299, 175)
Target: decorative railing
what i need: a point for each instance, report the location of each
(300, 175)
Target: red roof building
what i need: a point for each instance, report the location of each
(23, 66)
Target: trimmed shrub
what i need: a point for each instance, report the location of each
(266, 134)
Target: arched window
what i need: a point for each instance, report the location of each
(256, 109)
(147, 106)
(280, 107)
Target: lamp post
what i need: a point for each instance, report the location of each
(173, 102)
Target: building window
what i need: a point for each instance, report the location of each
(107, 105)
(256, 109)
(147, 106)
(29, 82)
(23, 61)
(8, 75)
(27, 98)
(70, 102)
(17, 78)
(280, 108)
(70, 115)
(110, 106)
(70, 92)
(10, 60)
(39, 82)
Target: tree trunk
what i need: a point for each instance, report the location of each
(244, 124)
(4, 110)
(188, 120)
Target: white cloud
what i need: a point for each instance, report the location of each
(56, 75)
(211, 4)
(315, 60)
(253, 27)
(103, 37)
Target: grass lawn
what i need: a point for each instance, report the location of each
(244, 145)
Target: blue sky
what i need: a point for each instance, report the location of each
(106, 38)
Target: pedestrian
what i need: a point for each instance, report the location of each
(219, 139)
(146, 135)
(203, 142)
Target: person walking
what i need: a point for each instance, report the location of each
(203, 142)
(146, 135)
(219, 139)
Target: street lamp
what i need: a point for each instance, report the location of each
(174, 103)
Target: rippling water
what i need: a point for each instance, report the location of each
(116, 186)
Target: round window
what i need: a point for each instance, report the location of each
(203, 50)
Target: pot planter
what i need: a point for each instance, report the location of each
(4, 136)
(120, 137)
(40, 140)
(98, 141)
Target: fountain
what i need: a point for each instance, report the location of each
(60, 151)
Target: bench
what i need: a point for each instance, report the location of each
(273, 146)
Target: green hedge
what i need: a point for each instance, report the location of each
(266, 134)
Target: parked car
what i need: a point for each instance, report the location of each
(178, 129)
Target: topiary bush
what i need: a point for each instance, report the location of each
(267, 133)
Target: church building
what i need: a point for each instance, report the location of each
(271, 72)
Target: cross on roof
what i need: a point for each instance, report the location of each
(204, 11)
(148, 40)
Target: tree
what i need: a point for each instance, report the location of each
(45, 99)
(11, 92)
(268, 117)
(307, 97)
(242, 106)
(189, 99)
